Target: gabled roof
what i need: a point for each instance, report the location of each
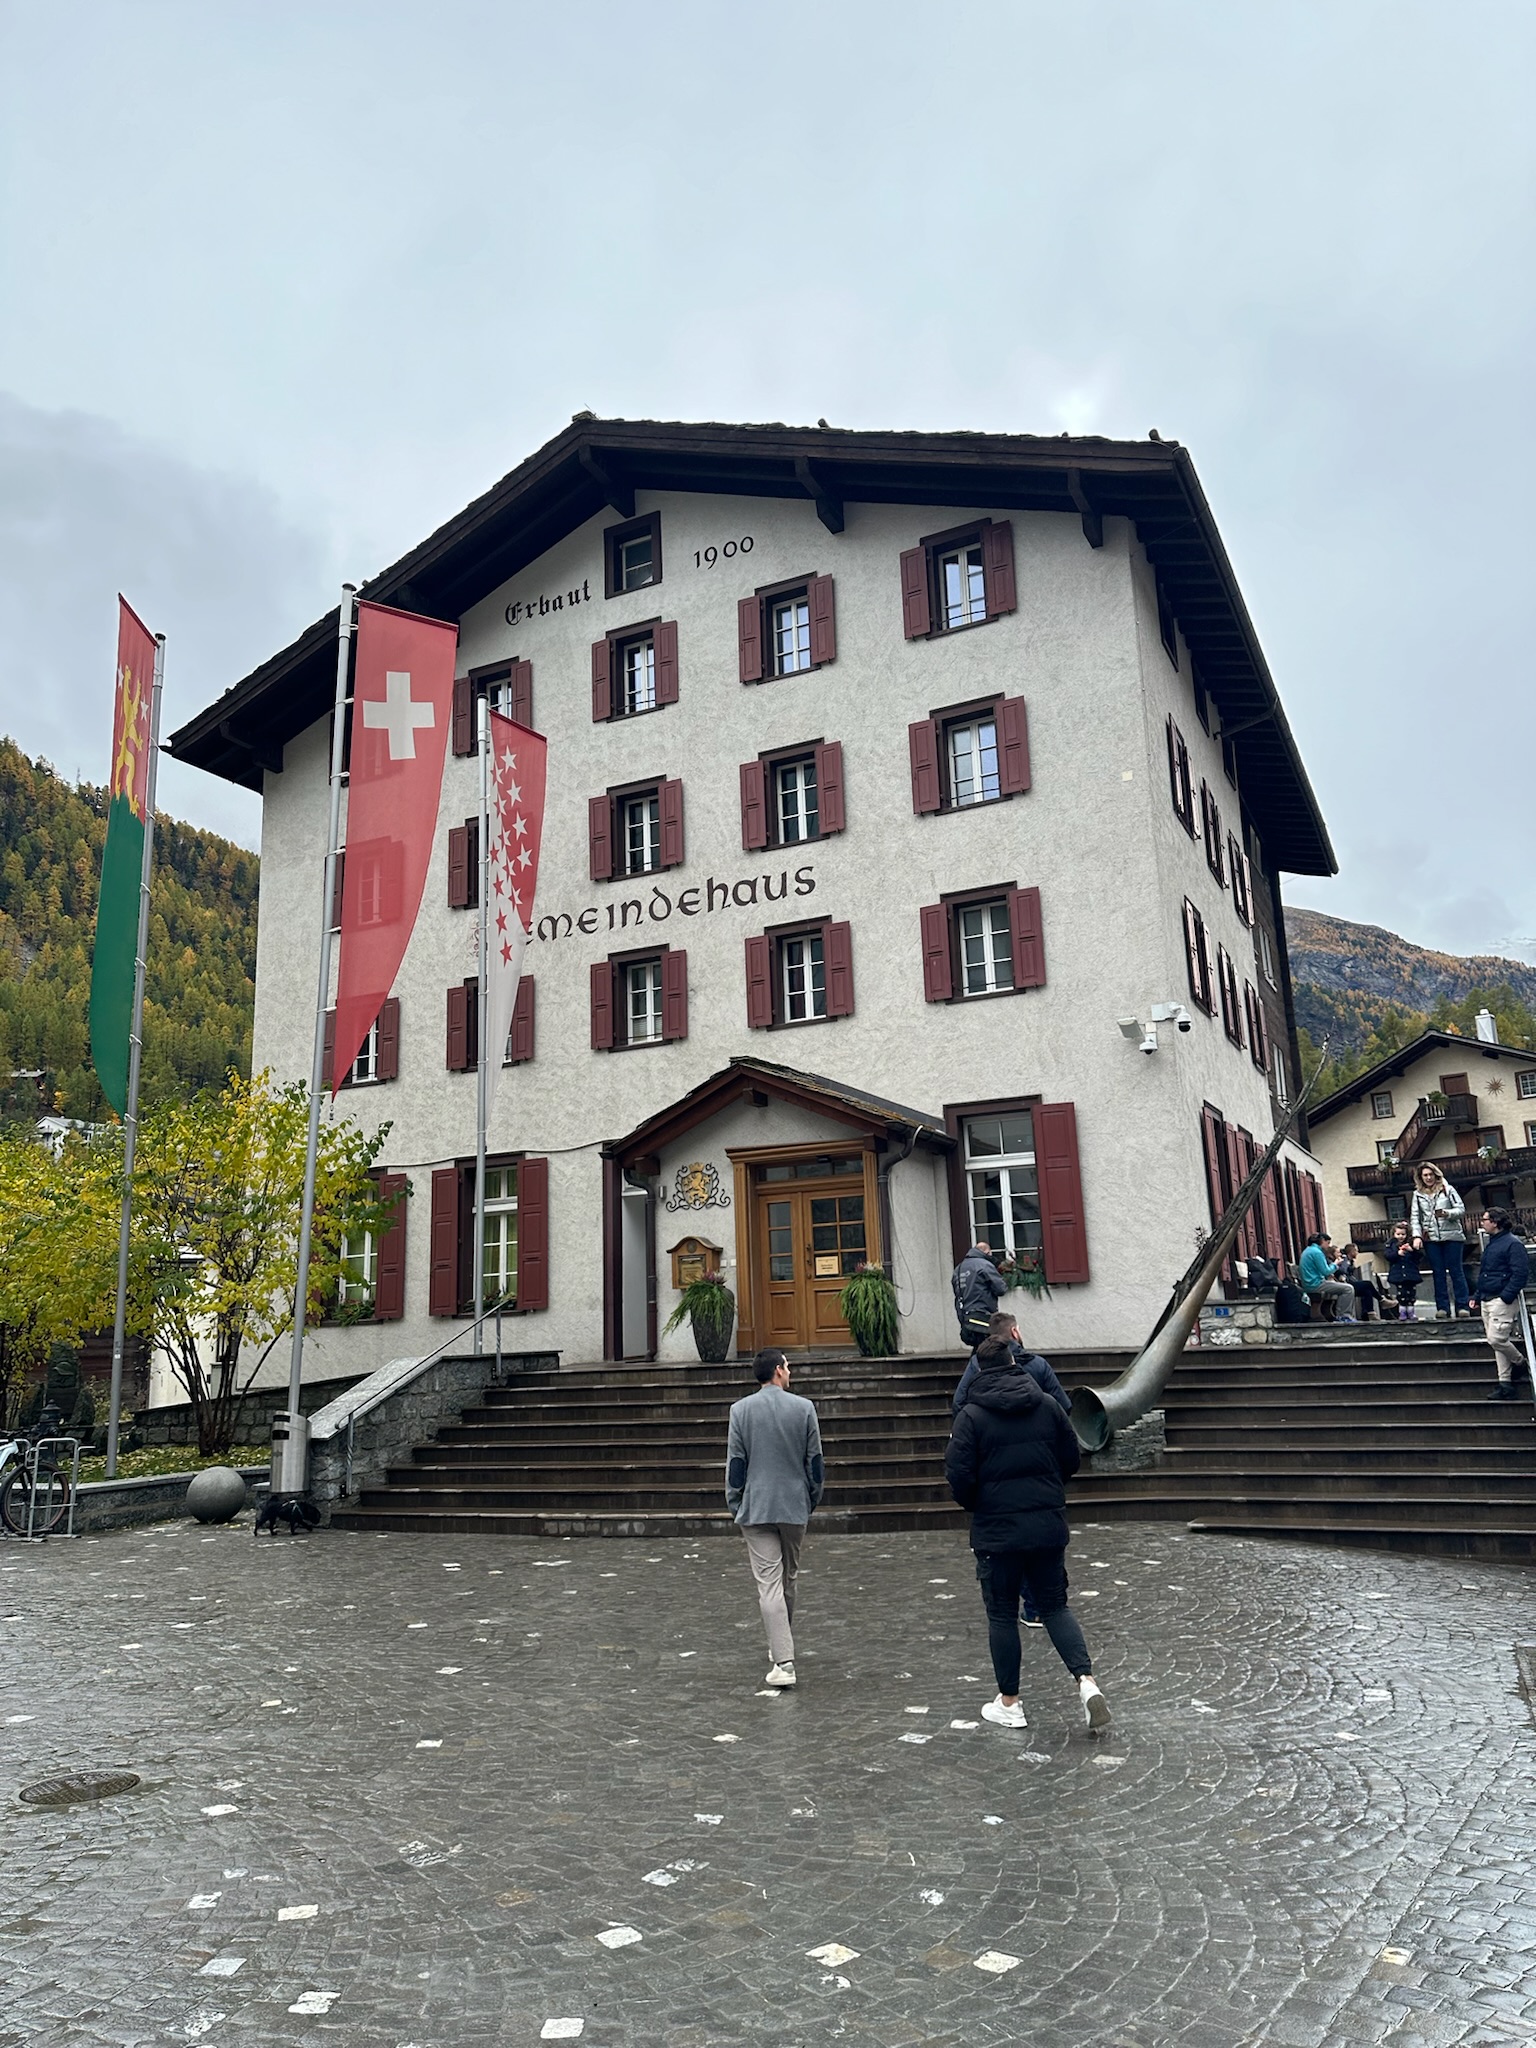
(1399, 1062)
(596, 463)
(746, 1080)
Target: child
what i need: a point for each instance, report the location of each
(1403, 1272)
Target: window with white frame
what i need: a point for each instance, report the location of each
(804, 978)
(986, 948)
(962, 585)
(1381, 1102)
(1525, 1085)
(1002, 1184)
(1282, 1077)
(798, 802)
(366, 1066)
(500, 1262)
(640, 817)
(637, 676)
(973, 776)
(1530, 1134)
(359, 1276)
(1386, 1151)
(790, 624)
(642, 1002)
(1267, 958)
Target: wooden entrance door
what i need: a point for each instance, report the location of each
(808, 1239)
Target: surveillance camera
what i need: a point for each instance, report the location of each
(1149, 1042)
(1183, 1019)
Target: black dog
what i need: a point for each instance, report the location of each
(298, 1514)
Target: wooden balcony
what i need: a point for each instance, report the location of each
(1450, 1112)
(1464, 1170)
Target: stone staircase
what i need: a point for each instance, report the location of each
(1377, 1435)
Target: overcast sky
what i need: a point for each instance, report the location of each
(284, 285)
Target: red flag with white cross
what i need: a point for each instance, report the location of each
(519, 759)
(402, 706)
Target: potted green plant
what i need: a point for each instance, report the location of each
(1028, 1272)
(710, 1308)
(868, 1306)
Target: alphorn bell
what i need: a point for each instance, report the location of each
(1097, 1412)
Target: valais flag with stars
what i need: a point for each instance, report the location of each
(516, 826)
(402, 706)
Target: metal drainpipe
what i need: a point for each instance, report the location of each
(883, 1184)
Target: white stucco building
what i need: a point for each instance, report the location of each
(892, 778)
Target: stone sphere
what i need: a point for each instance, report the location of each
(216, 1495)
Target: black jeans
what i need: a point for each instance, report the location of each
(1003, 1575)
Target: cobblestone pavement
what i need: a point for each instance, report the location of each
(401, 1792)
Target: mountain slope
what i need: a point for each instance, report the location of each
(199, 989)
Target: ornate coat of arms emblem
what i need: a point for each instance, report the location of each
(697, 1186)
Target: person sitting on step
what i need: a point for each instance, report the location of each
(1316, 1273)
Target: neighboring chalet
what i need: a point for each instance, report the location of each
(1467, 1104)
(894, 779)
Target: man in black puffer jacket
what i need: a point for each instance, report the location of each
(1008, 1462)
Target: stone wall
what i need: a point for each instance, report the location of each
(126, 1503)
(178, 1425)
(344, 1461)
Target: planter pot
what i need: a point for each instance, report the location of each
(712, 1340)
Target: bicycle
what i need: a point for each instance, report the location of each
(35, 1492)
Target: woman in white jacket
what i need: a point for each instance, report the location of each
(1435, 1219)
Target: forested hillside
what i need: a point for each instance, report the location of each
(1368, 991)
(200, 983)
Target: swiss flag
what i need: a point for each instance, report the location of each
(402, 704)
(519, 760)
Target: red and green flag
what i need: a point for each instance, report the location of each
(122, 867)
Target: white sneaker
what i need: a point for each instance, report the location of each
(1095, 1706)
(1004, 1714)
(782, 1675)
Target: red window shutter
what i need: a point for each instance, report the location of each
(458, 867)
(533, 1233)
(749, 639)
(829, 786)
(458, 1028)
(837, 940)
(1060, 1176)
(443, 1251)
(923, 747)
(389, 1290)
(754, 805)
(1173, 767)
(600, 837)
(520, 693)
(328, 1067)
(666, 662)
(670, 805)
(602, 694)
(602, 1006)
(1028, 933)
(997, 567)
(1012, 746)
(1269, 1212)
(389, 1040)
(1215, 1161)
(1237, 1167)
(1247, 888)
(338, 883)
(759, 983)
(520, 1038)
(1318, 1210)
(463, 715)
(823, 621)
(938, 970)
(674, 994)
(915, 617)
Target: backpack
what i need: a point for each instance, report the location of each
(1291, 1305)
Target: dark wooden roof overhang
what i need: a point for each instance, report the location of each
(1399, 1062)
(759, 1082)
(599, 464)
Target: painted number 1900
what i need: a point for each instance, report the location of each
(706, 558)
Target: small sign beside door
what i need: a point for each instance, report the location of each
(828, 1265)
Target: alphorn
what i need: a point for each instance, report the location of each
(1097, 1412)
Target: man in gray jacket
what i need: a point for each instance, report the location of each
(773, 1480)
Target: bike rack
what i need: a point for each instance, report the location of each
(34, 1454)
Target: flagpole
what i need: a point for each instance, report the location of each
(483, 1004)
(344, 631)
(135, 1060)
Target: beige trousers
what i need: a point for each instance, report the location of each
(1500, 1321)
(774, 1551)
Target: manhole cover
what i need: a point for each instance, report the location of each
(77, 1786)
